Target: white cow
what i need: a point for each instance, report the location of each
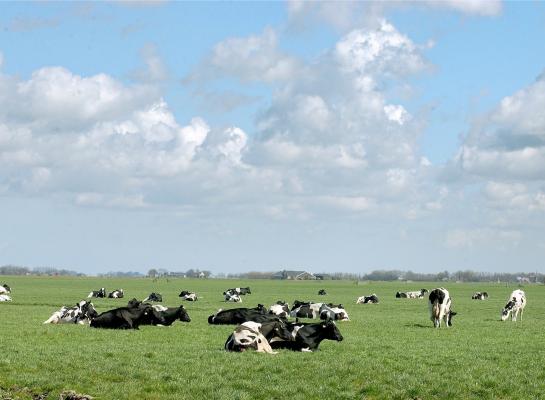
(248, 336)
(230, 296)
(4, 297)
(515, 305)
(439, 305)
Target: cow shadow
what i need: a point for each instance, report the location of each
(417, 326)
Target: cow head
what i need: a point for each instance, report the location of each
(261, 308)
(184, 316)
(450, 315)
(331, 331)
(507, 310)
(5, 286)
(133, 303)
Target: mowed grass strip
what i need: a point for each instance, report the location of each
(390, 350)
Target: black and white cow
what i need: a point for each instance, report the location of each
(98, 293)
(255, 335)
(439, 305)
(128, 317)
(116, 294)
(412, 295)
(322, 292)
(5, 289)
(169, 314)
(480, 296)
(307, 337)
(515, 305)
(373, 299)
(239, 315)
(240, 291)
(81, 313)
(305, 309)
(280, 309)
(188, 296)
(4, 297)
(332, 312)
(153, 297)
(232, 296)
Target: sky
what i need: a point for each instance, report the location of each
(260, 136)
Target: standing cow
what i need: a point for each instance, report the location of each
(439, 306)
(515, 306)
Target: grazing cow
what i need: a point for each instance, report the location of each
(515, 306)
(81, 313)
(240, 315)
(280, 309)
(153, 297)
(336, 313)
(322, 292)
(4, 297)
(116, 294)
(307, 337)
(412, 295)
(188, 296)
(439, 306)
(373, 299)
(128, 317)
(169, 314)
(98, 293)
(232, 296)
(5, 289)
(480, 296)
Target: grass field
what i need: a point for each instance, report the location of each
(390, 350)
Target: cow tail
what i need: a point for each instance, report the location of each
(436, 309)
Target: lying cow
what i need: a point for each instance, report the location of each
(98, 293)
(188, 296)
(480, 296)
(307, 337)
(232, 296)
(322, 292)
(412, 295)
(280, 309)
(169, 315)
(439, 306)
(335, 313)
(5, 297)
(81, 313)
(5, 289)
(373, 299)
(240, 315)
(153, 297)
(128, 318)
(116, 294)
(258, 336)
(515, 305)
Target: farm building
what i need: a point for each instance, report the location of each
(294, 275)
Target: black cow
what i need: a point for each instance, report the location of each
(154, 297)
(307, 337)
(98, 293)
(240, 315)
(116, 294)
(322, 292)
(170, 315)
(128, 318)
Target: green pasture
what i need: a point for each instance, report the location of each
(390, 350)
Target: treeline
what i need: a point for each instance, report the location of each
(41, 271)
(121, 274)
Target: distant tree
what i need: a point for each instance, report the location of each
(152, 273)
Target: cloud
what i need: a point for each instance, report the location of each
(509, 141)
(470, 238)
(155, 69)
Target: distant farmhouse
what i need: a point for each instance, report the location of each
(294, 275)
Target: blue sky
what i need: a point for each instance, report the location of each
(236, 136)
